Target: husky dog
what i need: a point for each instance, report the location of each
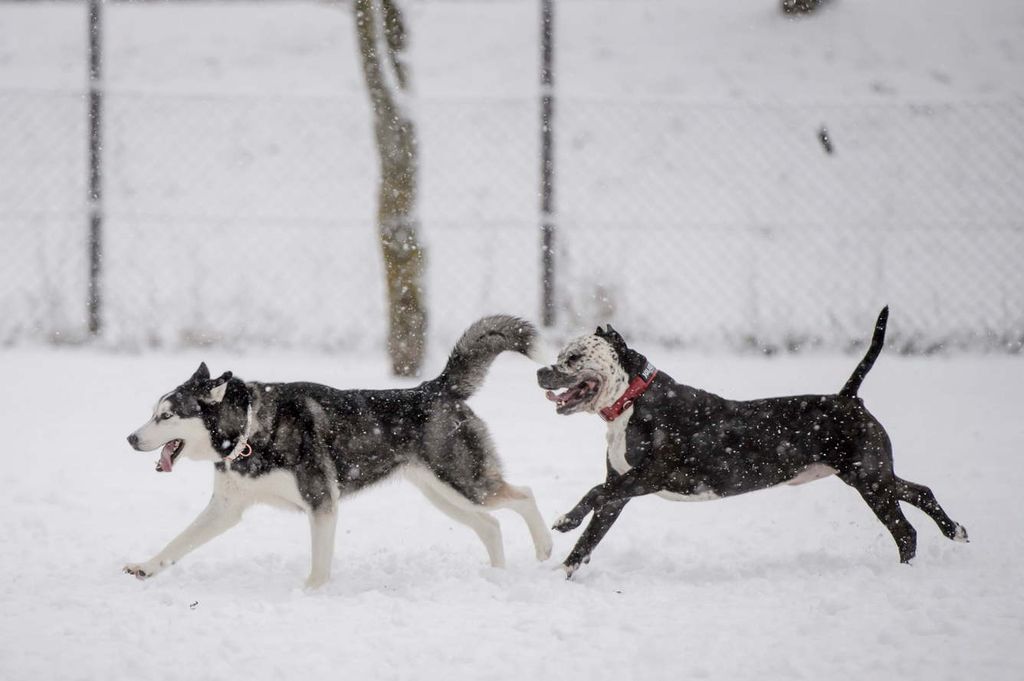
(685, 444)
(304, 446)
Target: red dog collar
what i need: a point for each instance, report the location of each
(637, 387)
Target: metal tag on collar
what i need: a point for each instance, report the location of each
(648, 373)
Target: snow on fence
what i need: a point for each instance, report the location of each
(249, 220)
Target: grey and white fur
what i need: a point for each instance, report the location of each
(304, 446)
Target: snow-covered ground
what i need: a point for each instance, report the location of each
(229, 118)
(791, 583)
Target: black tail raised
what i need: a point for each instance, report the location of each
(476, 349)
(877, 340)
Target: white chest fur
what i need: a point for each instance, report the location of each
(277, 488)
(616, 438)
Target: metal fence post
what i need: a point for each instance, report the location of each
(547, 171)
(95, 164)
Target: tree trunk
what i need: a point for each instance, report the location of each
(382, 39)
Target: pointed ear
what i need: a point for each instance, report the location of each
(613, 338)
(220, 386)
(609, 334)
(202, 373)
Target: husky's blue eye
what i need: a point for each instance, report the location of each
(163, 417)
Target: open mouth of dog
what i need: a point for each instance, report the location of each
(168, 455)
(575, 396)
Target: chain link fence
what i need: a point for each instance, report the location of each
(782, 226)
(250, 220)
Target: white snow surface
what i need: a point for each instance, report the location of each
(789, 583)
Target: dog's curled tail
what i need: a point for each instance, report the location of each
(877, 340)
(476, 349)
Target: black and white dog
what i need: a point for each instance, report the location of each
(304, 446)
(685, 444)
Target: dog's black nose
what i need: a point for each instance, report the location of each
(133, 440)
(545, 376)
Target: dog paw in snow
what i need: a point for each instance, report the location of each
(543, 548)
(314, 582)
(565, 523)
(571, 565)
(136, 570)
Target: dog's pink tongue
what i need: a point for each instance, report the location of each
(164, 466)
(566, 394)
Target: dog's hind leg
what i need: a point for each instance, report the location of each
(881, 497)
(922, 497)
(322, 524)
(462, 510)
(522, 501)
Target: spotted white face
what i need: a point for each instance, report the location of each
(589, 371)
(177, 429)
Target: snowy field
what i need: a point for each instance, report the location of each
(781, 585)
(791, 583)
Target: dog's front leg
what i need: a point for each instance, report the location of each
(322, 524)
(635, 482)
(599, 525)
(222, 513)
(572, 519)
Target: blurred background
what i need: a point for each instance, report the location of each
(723, 174)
